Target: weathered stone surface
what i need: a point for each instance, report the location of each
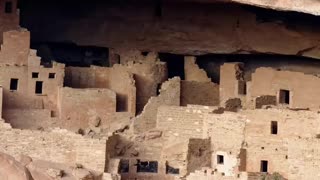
(10, 169)
(192, 29)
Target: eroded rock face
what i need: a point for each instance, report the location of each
(182, 28)
(305, 6)
(27, 169)
(10, 169)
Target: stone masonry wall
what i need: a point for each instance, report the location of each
(230, 77)
(15, 47)
(304, 89)
(193, 72)
(8, 21)
(78, 106)
(181, 123)
(103, 77)
(148, 77)
(304, 158)
(169, 95)
(226, 132)
(199, 93)
(57, 146)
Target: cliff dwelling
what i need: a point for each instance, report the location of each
(160, 90)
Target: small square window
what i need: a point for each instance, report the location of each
(284, 96)
(274, 127)
(35, 75)
(14, 84)
(52, 75)
(8, 7)
(220, 159)
(264, 166)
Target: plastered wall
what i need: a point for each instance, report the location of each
(304, 90)
(78, 106)
(9, 21)
(102, 77)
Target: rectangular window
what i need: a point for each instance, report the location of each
(284, 96)
(147, 166)
(123, 166)
(220, 159)
(14, 84)
(35, 75)
(172, 170)
(38, 88)
(274, 127)
(264, 166)
(8, 7)
(52, 75)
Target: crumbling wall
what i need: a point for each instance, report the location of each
(193, 72)
(181, 123)
(304, 89)
(78, 106)
(265, 100)
(57, 145)
(169, 95)
(232, 84)
(148, 76)
(200, 93)
(226, 132)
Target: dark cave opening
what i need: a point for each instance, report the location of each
(72, 55)
(175, 64)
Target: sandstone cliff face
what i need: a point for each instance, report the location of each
(305, 6)
(182, 28)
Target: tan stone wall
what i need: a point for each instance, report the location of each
(78, 106)
(226, 132)
(271, 149)
(57, 146)
(304, 89)
(29, 118)
(303, 158)
(51, 85)
(102, 77)
(230, 76)
(181, 123)
(15, 47)
(193, 72)
(291, 124)
(199, 93)
(9, 21)
(169, 95)
(18, 61)
(148, 77)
